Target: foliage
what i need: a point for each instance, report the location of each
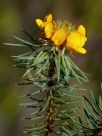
(53, 100)
(93, 114)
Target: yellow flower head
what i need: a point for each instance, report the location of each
(63, 33)
(76, 40)
(48, 25)
(59, 37)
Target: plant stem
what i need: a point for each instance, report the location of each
(50, 123)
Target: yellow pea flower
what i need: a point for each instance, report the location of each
(59, 37)
(48, 25)
(76, 40)
(41, 24)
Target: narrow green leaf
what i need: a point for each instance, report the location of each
(57, 62)
(27, 72)
(37, 118)
(14, 44)
(46, 103)
(44, 66)
(23, 41)
(28, 104)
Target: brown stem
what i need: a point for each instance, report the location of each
(50, 122)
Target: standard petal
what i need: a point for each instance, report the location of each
(48, 18)
(81, 30)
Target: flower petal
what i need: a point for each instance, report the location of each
(49, 30)
(81, 50)
(40, 23)
(59, 37)
(81, 30)
(48, 18)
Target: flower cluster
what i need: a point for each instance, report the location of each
(73, 40)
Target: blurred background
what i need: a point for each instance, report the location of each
(18, 14)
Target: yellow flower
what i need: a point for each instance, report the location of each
(76, 40)
(48, 25)
(59, 37)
